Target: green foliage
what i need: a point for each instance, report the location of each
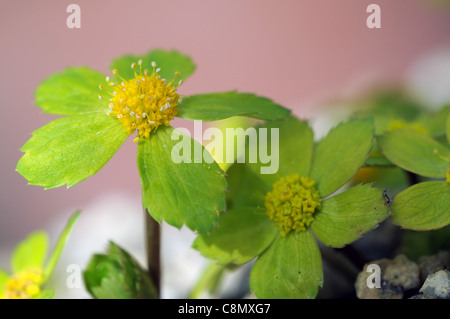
(176, 192)
(290, 267)
(70, 149)
(295, 147)
(60, 244)
(423, 206)
(344, 218)
(415, 152)
(217, 106)
(73, 91)
(242, 234)
(340, 154)
(169, 62)
(116, 275)
(31, 253)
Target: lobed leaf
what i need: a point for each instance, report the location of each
(415, 152)
(169, 62)
(423, 206)
(290, 268)
(340, 154)
(191, 192)
(241, 235)
(72, 91)
(218, 106)
(70, 149)
(290, 153)
(345, 217)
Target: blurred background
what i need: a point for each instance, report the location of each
(305, 55)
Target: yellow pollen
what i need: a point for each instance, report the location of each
(24, 285)
(143, 103)
(292, 203)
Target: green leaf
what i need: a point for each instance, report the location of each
(241, 235)
(291, 152)
(217, 106)
(45, 294)
(169, 62)
(345, 217)
(423, 206)
(4, 277)
(246, 188)
(340, 154)
(59, 246)
(73, 91)
(290, 268)
(30, 252)
(117, 275)
(415, 152)
(70, 149)
(181, 183)
(434, 123)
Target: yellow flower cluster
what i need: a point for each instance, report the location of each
(292, 203)
(24, 285)
(144, 102)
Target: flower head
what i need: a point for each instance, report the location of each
(292, 203)
(27, 263)
(24, 285)
(144, 102)
(102, 112)
(274, 217)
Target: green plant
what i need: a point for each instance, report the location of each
(425, 205)
(70, 149)
(276, 223)
(30, 268)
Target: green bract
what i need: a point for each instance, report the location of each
(291, 266)
(29, 266)
(70, 149)
(423, 206)
(116, 275)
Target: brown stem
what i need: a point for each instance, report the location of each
(153, 243)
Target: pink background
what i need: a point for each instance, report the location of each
(295, 52)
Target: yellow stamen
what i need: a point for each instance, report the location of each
(24, 285)
(144, 102)
(292, 203)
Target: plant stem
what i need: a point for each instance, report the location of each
(153, 243)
